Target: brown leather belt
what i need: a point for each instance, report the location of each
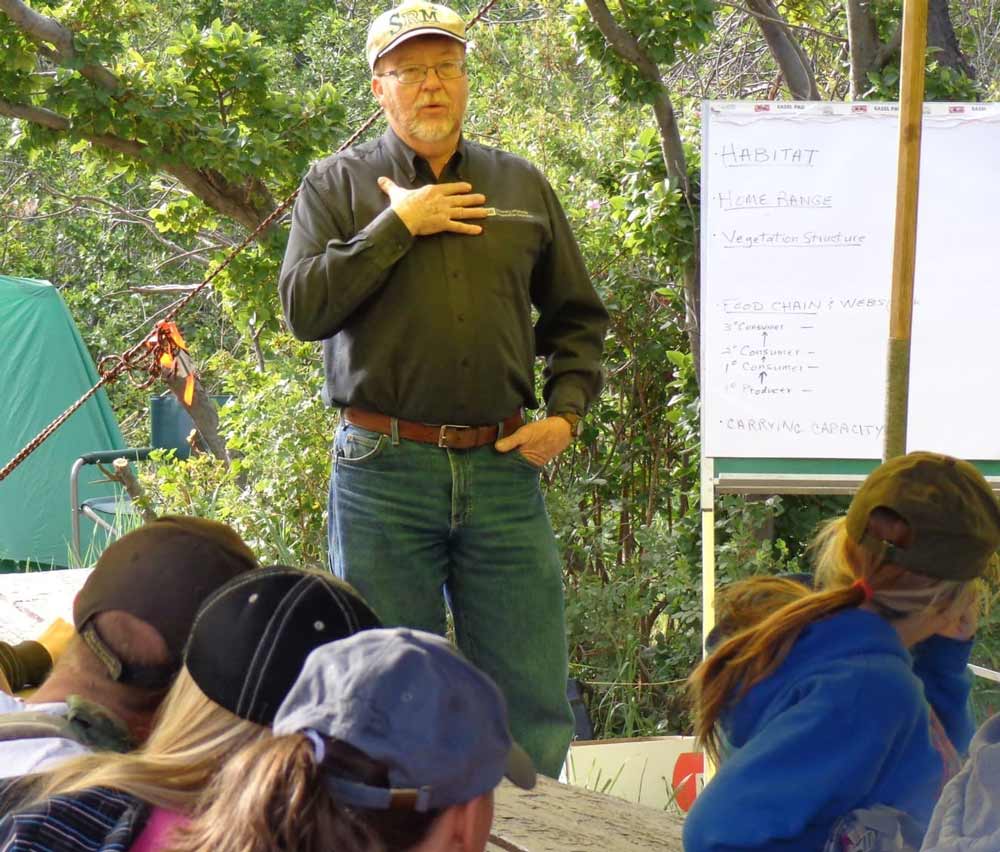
(446, 435)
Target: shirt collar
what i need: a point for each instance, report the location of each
(408, 160)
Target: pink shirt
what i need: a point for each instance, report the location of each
(156, 834)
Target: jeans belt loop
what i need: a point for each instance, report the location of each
(499, 430)
(394, 430)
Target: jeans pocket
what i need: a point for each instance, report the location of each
(518, 456)
(353, 445)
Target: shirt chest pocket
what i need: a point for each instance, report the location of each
(515, 245)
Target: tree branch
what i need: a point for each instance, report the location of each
(36, 115)
(218, 198)
(622, 42)
(791, 59)
(890, 50)
(133, 217)
(628, 48)
(800, 27)
(226, 199)
(41, 28)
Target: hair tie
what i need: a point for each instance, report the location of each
(865, 587)
(318, 745)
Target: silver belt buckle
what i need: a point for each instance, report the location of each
(443, 438)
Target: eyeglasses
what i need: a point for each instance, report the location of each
(411, 74)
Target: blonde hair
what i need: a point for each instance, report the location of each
(271, 798)
(192, 738)
(745, 603)
(756, 651)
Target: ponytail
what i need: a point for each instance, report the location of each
(270, 797)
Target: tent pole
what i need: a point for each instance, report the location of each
(911, 97)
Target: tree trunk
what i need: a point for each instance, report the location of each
(202, 409)
(864, 45)
(869, 54)
(786, 50)
(941, 35)
(629, 49)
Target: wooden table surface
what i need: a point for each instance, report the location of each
(555, 817)
(31, 602)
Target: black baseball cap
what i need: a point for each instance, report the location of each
(251, 638)
(161, 573)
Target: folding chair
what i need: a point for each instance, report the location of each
(170, 425)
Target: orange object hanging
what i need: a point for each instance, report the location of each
(164, 342)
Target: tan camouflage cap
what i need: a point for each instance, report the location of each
(408, 20)
(951, 510)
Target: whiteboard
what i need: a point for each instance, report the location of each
(798, 204)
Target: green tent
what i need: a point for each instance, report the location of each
(44, 368)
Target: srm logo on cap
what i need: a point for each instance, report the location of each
(398, 20)
(408, 20)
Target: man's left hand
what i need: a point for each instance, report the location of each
(539, 441)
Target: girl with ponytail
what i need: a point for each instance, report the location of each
(389, 741)
(819, 707)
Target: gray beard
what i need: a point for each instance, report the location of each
(431, 131)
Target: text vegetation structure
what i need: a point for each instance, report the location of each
(798, 206)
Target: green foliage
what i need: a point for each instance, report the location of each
(279, 431)
(664, 31)
(650, 210)
(941, 83)
(247, 286)
(276, 20)
(638, 631)
(183, 215)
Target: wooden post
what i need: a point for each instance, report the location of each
(911, 106)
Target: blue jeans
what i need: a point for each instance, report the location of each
(410, 520)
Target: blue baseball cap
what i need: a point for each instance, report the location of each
(409, 700)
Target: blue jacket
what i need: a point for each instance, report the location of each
(842, 723)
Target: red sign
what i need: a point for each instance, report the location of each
(688, 778)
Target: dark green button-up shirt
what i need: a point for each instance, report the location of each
(439, 328)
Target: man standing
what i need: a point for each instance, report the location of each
(422, 295)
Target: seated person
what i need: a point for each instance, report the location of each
(389, 741)
(819, 708)
(132, 618)
(247, 646)
(967, 817)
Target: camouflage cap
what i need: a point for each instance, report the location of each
(952, 513)
(160, 573)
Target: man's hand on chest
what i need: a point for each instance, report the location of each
(436, 207)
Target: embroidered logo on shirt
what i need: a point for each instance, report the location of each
(508, 214)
